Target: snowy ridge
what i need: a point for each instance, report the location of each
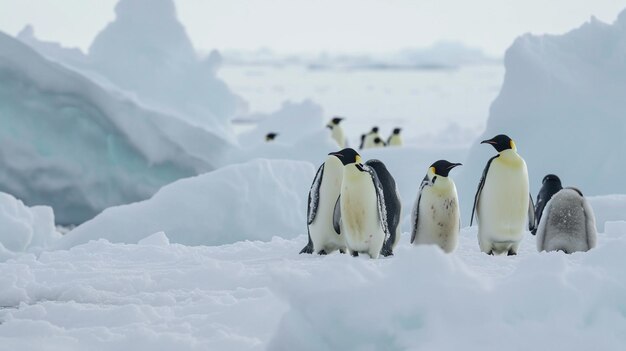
(258, 296)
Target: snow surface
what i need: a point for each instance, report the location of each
(70, 144)
(252, 201)
(562, 101)
(24, 228)
(263, 295)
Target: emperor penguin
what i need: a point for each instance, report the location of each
(337, 131)
(550, 185)
(368, 141)
(378, 142)
(502, 203)
(270, 137)
(322, 210)
(568, 223)
(370, 208)
(395, 139)
(436, 218)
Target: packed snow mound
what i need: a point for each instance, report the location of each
(251, 201)
(68, 143)
(264, 296)
(147, 51)
(562, 101)
(293, 122)
(24, 228)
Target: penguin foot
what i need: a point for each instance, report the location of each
(307, 249)
(342, 251)
(490, 253)
(354, 254)
(322, 253)
(511, 253)
(386, 252)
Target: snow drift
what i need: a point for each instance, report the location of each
(24, 228)
(562, 101)
(68, 143)
(252, 201)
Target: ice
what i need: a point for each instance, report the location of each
(562, 102)
(156, 239)
(23, 228)
(252, 201)
(70, 144)
(264, 296)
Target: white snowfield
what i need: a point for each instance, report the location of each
(264, 296)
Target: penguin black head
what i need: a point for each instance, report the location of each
(551, 178)
(336, 120)
(397, 131)
(347, 156)
(378, 140)
(501, 142)
(374, 130)
(442, 167)
(270, 136)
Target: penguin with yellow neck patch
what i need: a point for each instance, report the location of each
(436, 217)
(370, 208)
(503, 204)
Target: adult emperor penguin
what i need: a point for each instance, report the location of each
(395, 139)
(370, 207)
(368, 142)
(322, 211)
(436, 218)
(551, 185)
(568, 223)
(337, 131)
(502, 203)
(270, 137)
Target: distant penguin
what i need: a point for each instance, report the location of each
(363, 136)
(568, 223)
(337, 131)
(322, 210)
(502, 203)
(436, 217)
(368, 142)
(551, 185)
(270, 137)
(370, 207)
(395, 139)
(378, 142)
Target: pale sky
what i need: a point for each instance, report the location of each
(316, 25)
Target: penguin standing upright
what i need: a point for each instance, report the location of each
(568, 223)
(270, 137)
(368, 142)
(395, 139)
(551, 185)
(322, 210)
(370, 206)
(436, 217)
(337, 131)
(502, 202)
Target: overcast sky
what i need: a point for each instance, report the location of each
(315, 25)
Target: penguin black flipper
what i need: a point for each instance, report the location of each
(480, 187)
(416, 210)
(309, 246)
(314, 195)
(532, 222)
(337, 216)
(362, 141)
(389, 205)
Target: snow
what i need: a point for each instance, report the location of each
(70, 144)
(562, 102)
(23, 228)
(263, 295)
(252, 201)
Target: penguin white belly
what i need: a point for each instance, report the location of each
(337, 135)
(438, 222)
(395, 140)
(503, 206)
(322, 232)
(359, 214)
